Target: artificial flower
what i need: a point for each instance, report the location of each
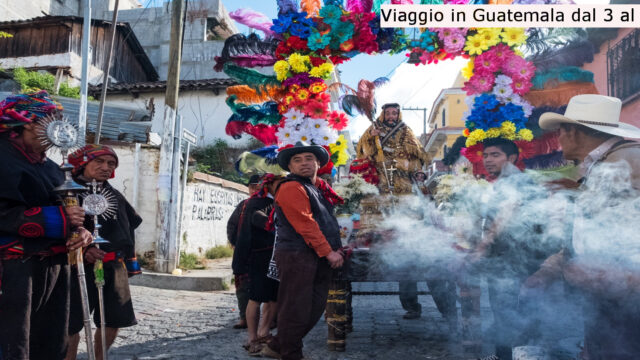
(300, 30)
(302, 94)
(467, 71)
(475, 45)
(454, 44)
(493, 132)
(342, 32)
(318, 87)
(330, 13)
(474, 153)
(296, 43)
(339, 145)
(316, 109)
(285, 135)
(486, 62)
(475, 137)
(508, 130)
(479, 83)
(337, 120)
(299, 63)
(521, 86)
(347, 46)
(318, 41)
(525, 134)
(293, 116)
(289, 98)
(502, 52)
(281, 68)
(491, 36)
(503, 80)
(513, 36)
(502, 91)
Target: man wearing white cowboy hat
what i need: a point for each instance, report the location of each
(591, 133)
(307, 247)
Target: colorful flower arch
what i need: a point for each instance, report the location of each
(304, 44)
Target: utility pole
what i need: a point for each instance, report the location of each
(106, 69)
(164, 260)
(424, 116)
(84, 80)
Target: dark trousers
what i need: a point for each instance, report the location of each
(34, 308)
(508, 321)
(242, 293)
(442, 291)
(302, 298)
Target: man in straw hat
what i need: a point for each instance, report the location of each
(98, 162)
(591, 134)
(307, 247)
(34, 232)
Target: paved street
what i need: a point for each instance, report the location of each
(197, 325)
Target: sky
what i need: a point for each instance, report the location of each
(409, 85)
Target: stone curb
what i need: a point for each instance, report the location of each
(190, 281)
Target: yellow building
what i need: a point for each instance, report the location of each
(445, 120)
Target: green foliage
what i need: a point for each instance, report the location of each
(190, 262)
(218, 252)
(225, 286)
(4, 35)
(218, 159)
(34, 81)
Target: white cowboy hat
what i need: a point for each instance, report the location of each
(598, 112)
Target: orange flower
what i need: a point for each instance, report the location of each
(289, 99)
(347, 45)
(465, 132)
(302, 94)
(318, 87)
(293, 88)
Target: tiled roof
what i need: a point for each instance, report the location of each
(156, 86)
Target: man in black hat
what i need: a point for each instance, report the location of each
(307, 247)
(241, 276)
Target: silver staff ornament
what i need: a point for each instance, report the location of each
(56, 131)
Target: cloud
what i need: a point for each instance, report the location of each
(412, 86)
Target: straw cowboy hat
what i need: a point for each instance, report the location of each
(285, 155)
(598, 112)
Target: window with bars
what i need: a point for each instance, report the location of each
(623, 61)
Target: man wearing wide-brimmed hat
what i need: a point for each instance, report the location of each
(34, 233)
(591, 133)
(307, 247)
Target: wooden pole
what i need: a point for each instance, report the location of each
(165, 171)
(107, 68)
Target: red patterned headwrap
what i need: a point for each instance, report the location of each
(81, 157)
(266, 179)
(22, 109)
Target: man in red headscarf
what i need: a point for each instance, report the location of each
(34, 235)
(98, 162)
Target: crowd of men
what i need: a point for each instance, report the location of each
(517, 264)
(287, 240)
(40, 302)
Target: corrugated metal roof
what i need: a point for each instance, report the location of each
(124, 123)
(155, 86)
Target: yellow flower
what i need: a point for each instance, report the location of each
(339, 145)
(525, 134)
(281, 69)
(299, 62)
(475, 45)
(493, 132)
(491, 36)
(476, 136)
(513, 36)
(508, 130)
(467, 71)
(342, 159)
(322, 71)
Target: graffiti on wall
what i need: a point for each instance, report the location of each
(213, 203)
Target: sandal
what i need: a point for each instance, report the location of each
(255, 348)
(264, 339)
(246, 346)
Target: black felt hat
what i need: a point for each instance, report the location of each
(285, 155)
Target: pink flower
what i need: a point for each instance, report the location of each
(502, 52)
(456, 2)
(486, 62)
(454, 44)
(479, 83)
(518, 68)
(521, 86)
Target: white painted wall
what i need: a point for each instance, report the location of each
(208, 203)
(203, 113)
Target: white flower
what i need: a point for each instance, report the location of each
(527, 108)
(294, 116)
(325, 136)
(503, 80)
(286, 136)
(502, 91)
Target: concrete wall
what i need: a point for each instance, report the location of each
(152, 27)
(68, 60)
(203, 112)
(630, 109)
(208, 203)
